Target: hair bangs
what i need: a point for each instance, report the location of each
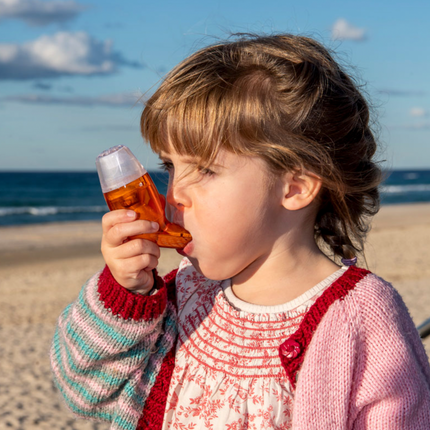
(199, 118)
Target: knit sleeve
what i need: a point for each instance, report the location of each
(366, 367)
(392, 388)
(104, 344)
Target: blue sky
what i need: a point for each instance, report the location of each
(72, 71)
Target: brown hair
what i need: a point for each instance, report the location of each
(285, 99)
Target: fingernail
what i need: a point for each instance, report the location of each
(154, 226)
(131, 214)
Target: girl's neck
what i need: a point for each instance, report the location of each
(283, 276)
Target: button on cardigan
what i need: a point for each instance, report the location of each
(355, 362)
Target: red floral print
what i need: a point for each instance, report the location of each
(228, 373)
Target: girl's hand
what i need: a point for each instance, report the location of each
(130, 261)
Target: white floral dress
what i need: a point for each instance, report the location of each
(228, 374)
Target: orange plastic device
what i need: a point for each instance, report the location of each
(126, 185)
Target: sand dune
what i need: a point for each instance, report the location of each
(43, 267)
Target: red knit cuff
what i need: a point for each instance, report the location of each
(123, 302)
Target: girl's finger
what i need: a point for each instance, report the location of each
(137, 268)
(136, 247)
(116, 217)
(118, 233)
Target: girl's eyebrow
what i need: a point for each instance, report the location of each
(163, 157)
(186, 159)
(163, 154)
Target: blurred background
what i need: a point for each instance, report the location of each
(73, 74)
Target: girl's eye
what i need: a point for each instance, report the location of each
(205, 171)
(166, 166)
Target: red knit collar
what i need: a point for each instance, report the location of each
(292, 351)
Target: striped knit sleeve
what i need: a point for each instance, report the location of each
(105, 343)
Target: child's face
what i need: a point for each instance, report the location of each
(233, 211)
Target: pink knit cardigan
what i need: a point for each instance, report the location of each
(366, 367)
(362, 364)
(356, 361)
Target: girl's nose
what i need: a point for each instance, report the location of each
(170, 196)
(177, 196)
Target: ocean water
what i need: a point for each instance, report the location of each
(43, 197)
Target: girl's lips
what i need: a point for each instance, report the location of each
(186, 250)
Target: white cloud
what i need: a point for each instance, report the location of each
(343, 30)
(112, 100)
(60, 54)
(418, 112)
(38, 12)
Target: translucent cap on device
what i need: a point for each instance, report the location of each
(117, 166)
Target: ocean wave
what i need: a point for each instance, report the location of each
(411, 176)
(50, 210)
(400, 189)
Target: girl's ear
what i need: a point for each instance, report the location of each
(300, 189)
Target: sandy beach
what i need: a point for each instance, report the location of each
(42, 268)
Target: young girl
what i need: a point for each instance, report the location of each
(269, 153)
